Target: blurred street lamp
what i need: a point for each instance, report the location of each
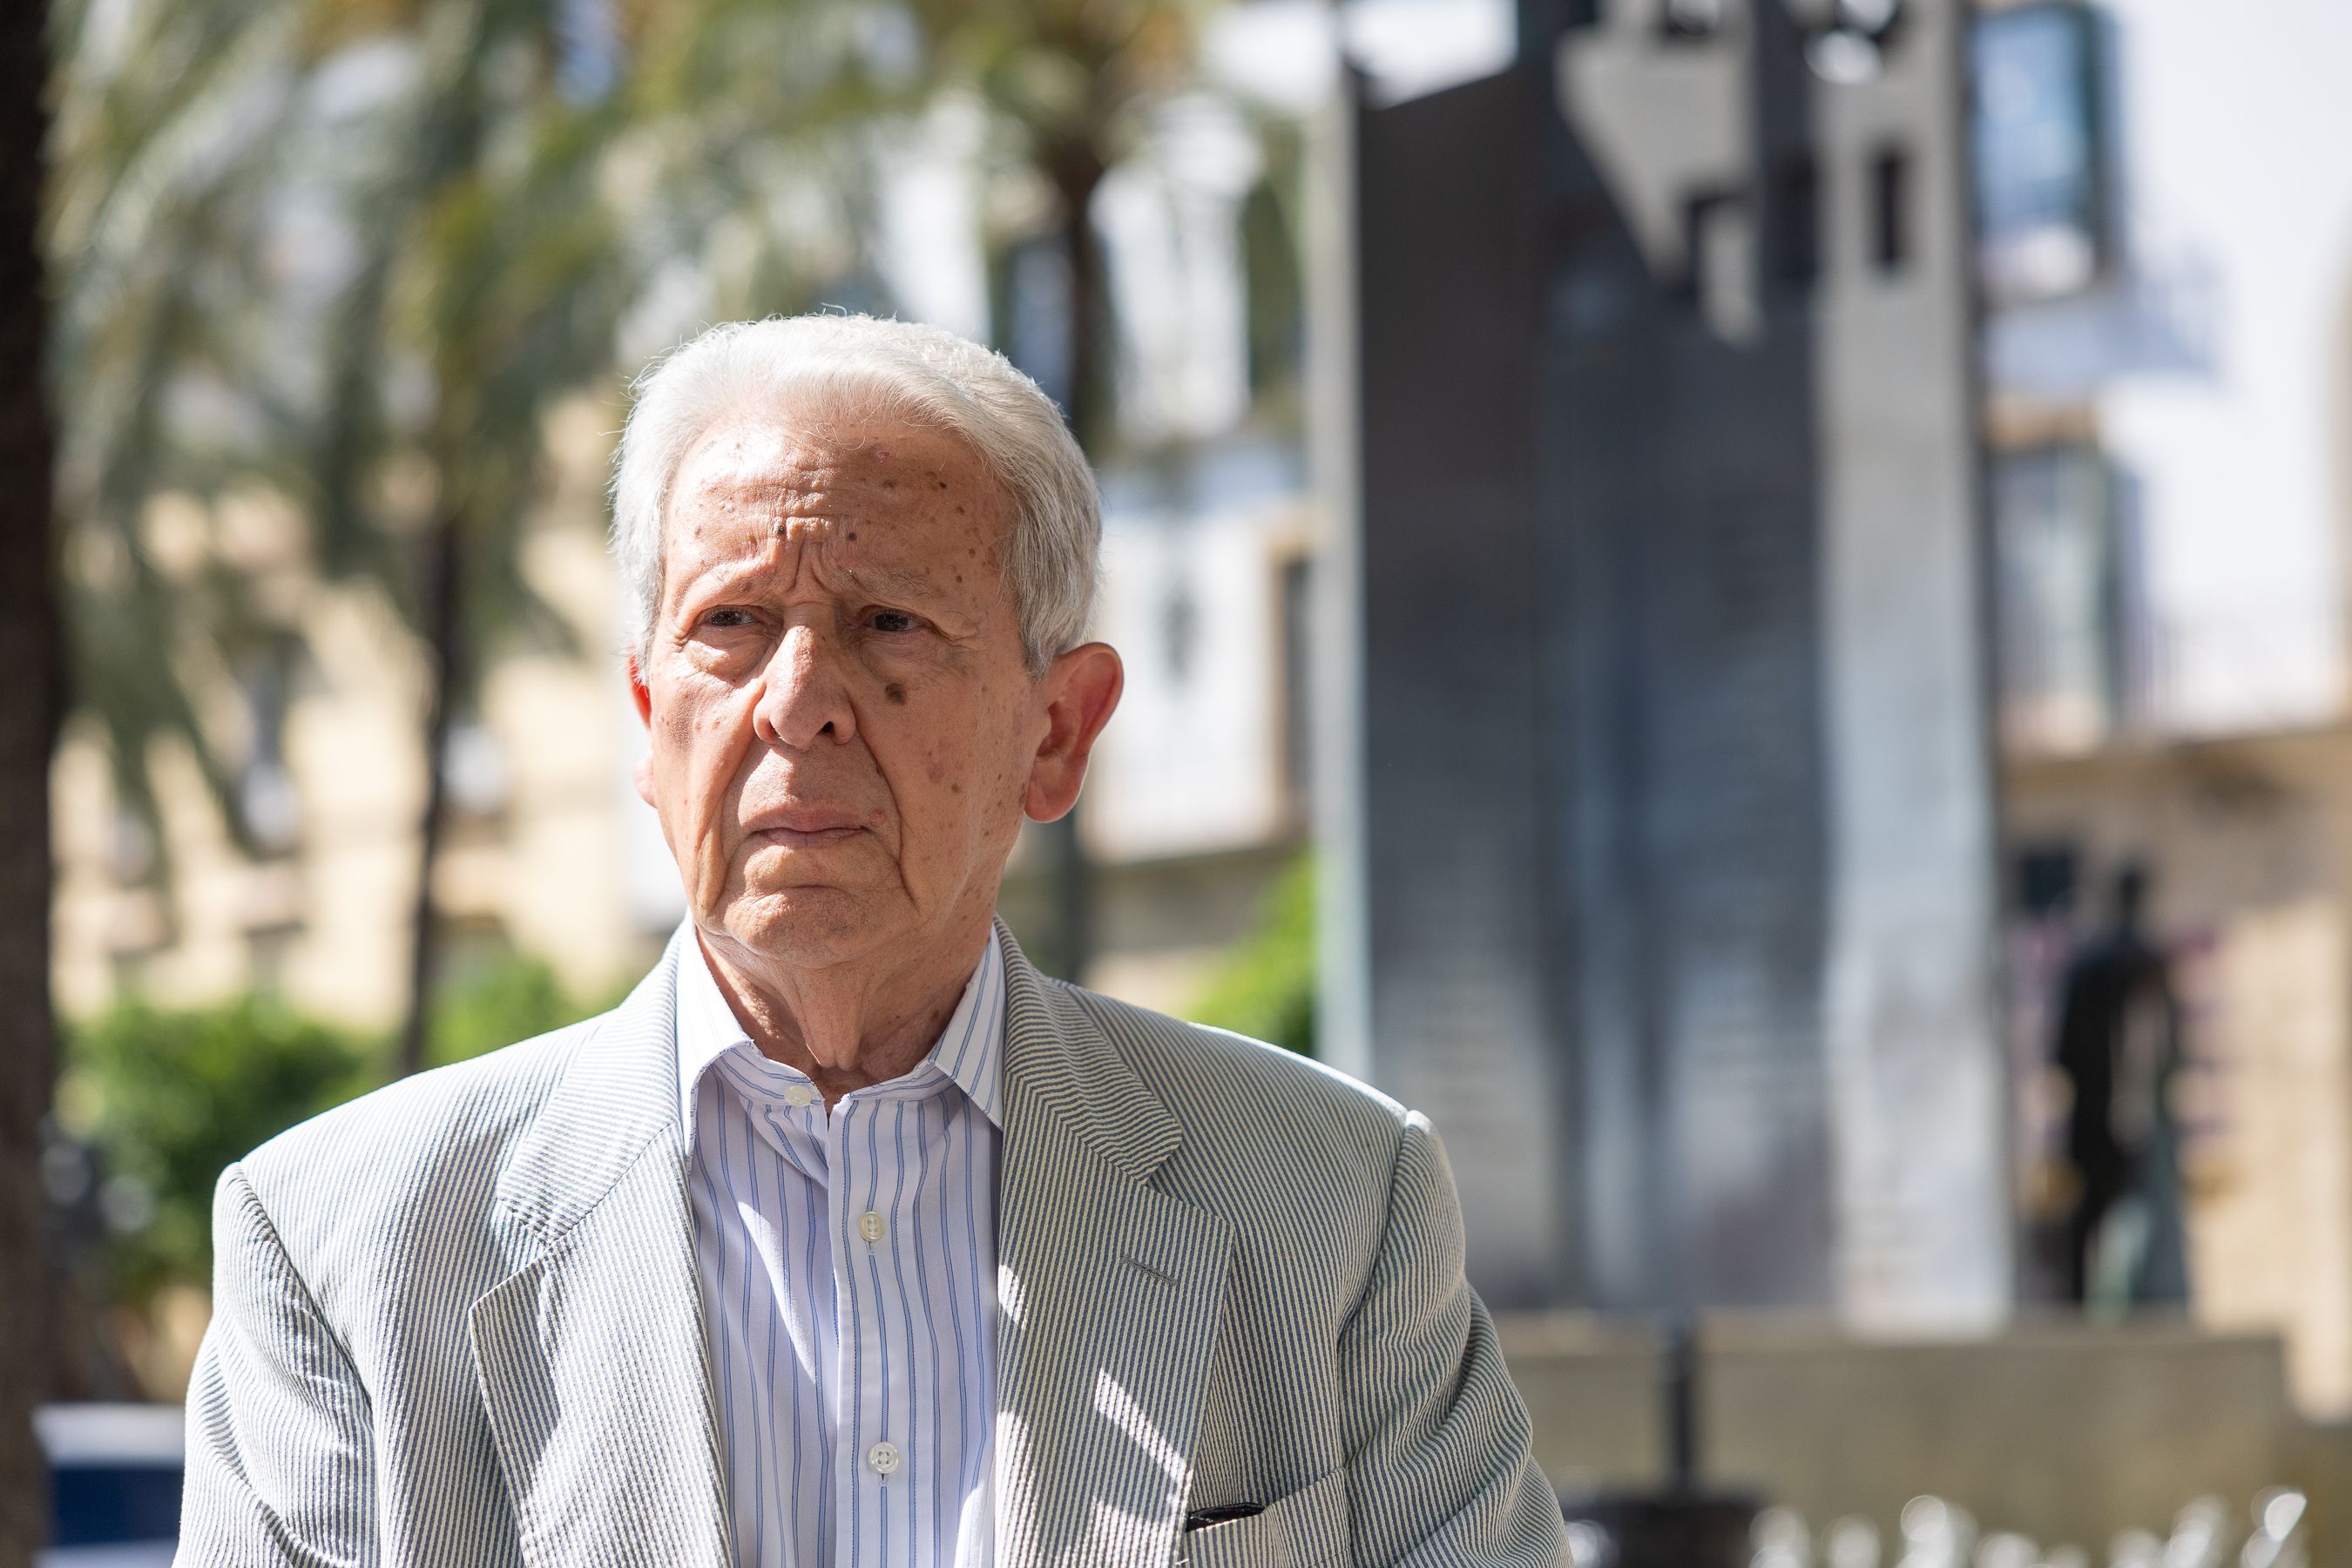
(1846, 40)
(1693, 18)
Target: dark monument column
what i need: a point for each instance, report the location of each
(1461, 956)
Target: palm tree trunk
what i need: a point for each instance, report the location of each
(30, 653)
(1076, 175)
(1075, 171)
(442, 633)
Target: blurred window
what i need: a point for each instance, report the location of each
(1796, 222)
(2046, 877)
(1691, 19)
(1180, 627)
(1271, 276)
(858, 292)
(2040, 149)
(1033, 312)
(1720, 241)
(2054, 541)
(269, 949)
(266, 798)
(474, 770)
(130, 848)
(1890, 210)
(1298, 630)
(1549, 18)
(587, 48)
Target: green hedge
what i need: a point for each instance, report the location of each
(1266, 986)
(168, 1097)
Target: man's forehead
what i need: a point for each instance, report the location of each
(785, 457)
(922, 498)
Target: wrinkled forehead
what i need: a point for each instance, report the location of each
(784, 470)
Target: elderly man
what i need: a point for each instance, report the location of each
(848, 1238)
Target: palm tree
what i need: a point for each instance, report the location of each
(29, 716)
(193, 135)
(165, 118)
(488, 277)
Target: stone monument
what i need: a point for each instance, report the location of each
(1669, 812)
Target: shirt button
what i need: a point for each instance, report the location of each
(798, 1096)
(870, 1227)
(883, 1458)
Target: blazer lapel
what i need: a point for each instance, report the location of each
(1110, 1292)
(591, 1357)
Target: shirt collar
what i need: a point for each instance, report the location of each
(969, 1051)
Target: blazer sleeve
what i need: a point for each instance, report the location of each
(1440, 1468)
(279, 1469)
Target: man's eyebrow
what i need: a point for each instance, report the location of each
(889, 580)
(722, 576)
(732, 576)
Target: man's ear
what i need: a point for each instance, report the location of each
(641, 695)
(1082, 688)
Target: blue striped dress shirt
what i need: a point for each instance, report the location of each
(848, 1269)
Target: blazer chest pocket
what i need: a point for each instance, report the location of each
(1307, 1529)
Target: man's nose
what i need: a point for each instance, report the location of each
(805, 697)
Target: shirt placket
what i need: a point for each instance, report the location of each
(873, 1457)
(778, 1107)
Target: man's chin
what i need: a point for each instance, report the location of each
(807, 926)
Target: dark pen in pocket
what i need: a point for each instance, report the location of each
(1201, 1517)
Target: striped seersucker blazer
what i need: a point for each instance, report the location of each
(457, 1321)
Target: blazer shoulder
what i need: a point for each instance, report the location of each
(432, 1144)
(1227, 1088)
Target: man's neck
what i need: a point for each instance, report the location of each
(849, 1025)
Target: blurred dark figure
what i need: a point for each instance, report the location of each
(2119, 1045)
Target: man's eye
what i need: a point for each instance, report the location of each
(727, 620)
(891, 621)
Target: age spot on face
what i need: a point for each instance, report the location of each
(896, 693)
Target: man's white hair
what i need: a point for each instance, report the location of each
(859, 370)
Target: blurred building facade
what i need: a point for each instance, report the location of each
(328, 782)
(2165, 247)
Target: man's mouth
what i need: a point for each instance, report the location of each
(806, 838)
(806, 827)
